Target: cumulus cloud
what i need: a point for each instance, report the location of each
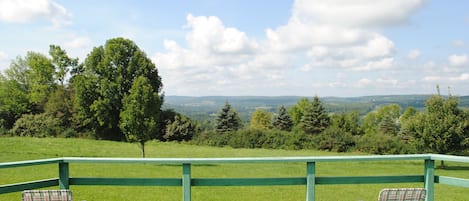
(462, 77)
(78, 42)
(216, 55)
(341, 33)
(413, 54)
(24, 11)
(458, 60)
(384, 63)
(363, 13)
(326, 34)
(364, 82)
(209, 33)
(456, 78)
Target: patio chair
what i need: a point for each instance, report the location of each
(402, 194)
(47, 195)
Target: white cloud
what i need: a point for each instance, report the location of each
(319, 34)
(364, 82)
(438, 78)
(78, 42)
(341, 33)
(458, 60)
(209, 33)
(462, 77)
(362, 13)
(218, 55)
(413, 54)
(432, 78)
(384, 63)
(24, 11)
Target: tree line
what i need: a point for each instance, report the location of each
(442, 127)
(116, 94)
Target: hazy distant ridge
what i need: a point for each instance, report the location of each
(204, 106)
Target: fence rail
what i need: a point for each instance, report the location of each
(428, 178)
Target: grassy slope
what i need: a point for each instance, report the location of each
(15, 149)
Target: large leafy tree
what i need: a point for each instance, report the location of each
(261, 119)
(283, 121)
(105, 79)
(347, 122)
(228, 119)
(59, 103)
(14, 97)
(385, 120)
(25, 87)
(41, 78)
(62, 63)
(442, 128)
(315, 118)
(141, 112)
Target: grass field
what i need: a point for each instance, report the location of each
(17, 149)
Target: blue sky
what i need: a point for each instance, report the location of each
(259, 47)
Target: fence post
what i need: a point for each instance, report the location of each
(63, 175)
(310, 180)
(429, 179)
(186, 182)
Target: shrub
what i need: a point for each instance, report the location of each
(249, 138)
(211, 138)
(39, 125)
(384, 144)
(335, 139)
(256, 138)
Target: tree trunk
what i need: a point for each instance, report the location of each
(142, 144)
(442, 164)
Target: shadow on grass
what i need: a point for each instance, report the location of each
(195, 165)
(446, 167)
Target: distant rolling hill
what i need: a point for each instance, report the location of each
(204, 107)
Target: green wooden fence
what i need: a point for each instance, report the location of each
(428, 178)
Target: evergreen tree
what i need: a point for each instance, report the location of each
(228, 119)
(315, 119)
(182, 128)
(283, 121)
(387, 126)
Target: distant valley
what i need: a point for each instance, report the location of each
(206, 107)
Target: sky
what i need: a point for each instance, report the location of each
(343, 48)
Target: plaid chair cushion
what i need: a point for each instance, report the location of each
(402, 194)
(47, 195)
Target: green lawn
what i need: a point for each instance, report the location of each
(17, 149)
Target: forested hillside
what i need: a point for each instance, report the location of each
(117, 94)
(201, 108)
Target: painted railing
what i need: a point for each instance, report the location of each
(428, 178)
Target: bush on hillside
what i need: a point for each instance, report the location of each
(211, 138)
(384, 144)
(256, 138)
(334, 139)
(38, 125)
